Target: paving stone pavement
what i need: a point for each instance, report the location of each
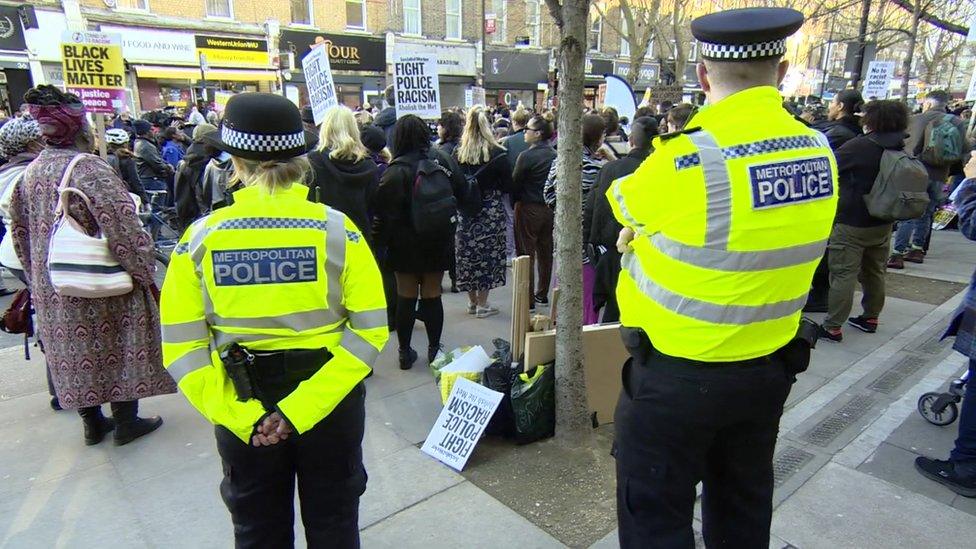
(844, 470)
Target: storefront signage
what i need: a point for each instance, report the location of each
(45, 41)
(461, 422)
(223, 51)
(318, 78)
(346, 52)
(458, 60)
(515, 69)
(11, 31)
(649, 72)
(140, 45)
(416, 85)
(94, 69)
(878, 79)
(599, 67)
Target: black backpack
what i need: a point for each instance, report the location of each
(433, 207)
(472, 201)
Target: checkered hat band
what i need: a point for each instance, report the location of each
(744, 51)
(262, 143)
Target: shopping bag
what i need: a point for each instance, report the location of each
(500, 376)
(534, 404)
(468, 365)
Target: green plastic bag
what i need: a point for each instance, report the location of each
(534, 404)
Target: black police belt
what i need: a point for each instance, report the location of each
(795, 354)
(270, 376)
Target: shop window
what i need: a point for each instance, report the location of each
(453, 18)
(141, 5)
(356, 14)
(500, 9)
(411, 17)
(533, 21)
(596, 32)
(624, 43)
(220, 8)
(301, 12)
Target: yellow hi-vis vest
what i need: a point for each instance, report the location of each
(731, 218)
(271, 272)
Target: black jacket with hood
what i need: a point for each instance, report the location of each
(385, 121)
(346, 186)
(839, 131)
(188, 188)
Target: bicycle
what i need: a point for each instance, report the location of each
(163, 226)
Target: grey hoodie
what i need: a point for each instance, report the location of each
(215, 178)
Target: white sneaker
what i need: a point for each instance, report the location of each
(472, 308)
(486, 311)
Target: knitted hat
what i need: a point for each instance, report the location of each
(260, 126)
(373, 138)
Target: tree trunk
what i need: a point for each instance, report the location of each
(572, 415)
(912, 41)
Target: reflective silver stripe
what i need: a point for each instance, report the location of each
(190, 362)
(622, 203)
(222, 338)
(359, 347)
(197, 249)
(727, 260)
(718, 190)
(705, 311)
(305, 320)
(365, 320)
(335, 251)
(183, 332)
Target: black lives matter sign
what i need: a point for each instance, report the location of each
(416, 85)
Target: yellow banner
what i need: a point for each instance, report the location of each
(88, 65)
(234, 58)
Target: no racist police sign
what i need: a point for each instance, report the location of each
(416, 86)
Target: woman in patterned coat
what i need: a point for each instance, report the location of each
(99, 350)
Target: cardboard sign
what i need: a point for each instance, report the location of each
(468, 98)
(416, 85)
(478, 96)
(94, 69)
(461, 422)
(318, 78)
(220, 100)
(878, 79)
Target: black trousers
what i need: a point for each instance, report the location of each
(259, 483)
(680, 422)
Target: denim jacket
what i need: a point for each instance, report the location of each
(963, 325)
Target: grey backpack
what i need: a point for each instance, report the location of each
(900, 190)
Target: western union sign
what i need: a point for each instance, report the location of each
(222, 51)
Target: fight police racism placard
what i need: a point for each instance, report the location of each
(318, 79)
(416, 85)
(782, 183)
(94, 69)
(462, 420)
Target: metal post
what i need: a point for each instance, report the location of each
(861, 37)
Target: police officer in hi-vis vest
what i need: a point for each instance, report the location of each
(724, 225)
(273, 313)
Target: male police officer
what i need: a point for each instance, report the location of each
(724, 226)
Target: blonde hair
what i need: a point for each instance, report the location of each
(363, 118)
(270, 174)
(477, 139)
(340, 134)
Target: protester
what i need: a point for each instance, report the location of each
(859, 242)
(481, 247)
(533, 219)
(842, 123)
(515, 143)
(958, 473)
(418, 261)
(123, 162)
(172, 148)
(195, 118)
(363, 119)
(678, 116)
(20, 143)
(614, 139)
(449, 129)
(99, 349)
(191, 200)
(600, 228)
(593, 133)
(307, 336)
(344, 176)
(154, 172)
(387, 117)
(911, 241)
(374, 139)
(123, 121)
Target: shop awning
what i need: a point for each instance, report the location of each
(193, 74)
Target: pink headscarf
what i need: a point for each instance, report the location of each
(60, 124)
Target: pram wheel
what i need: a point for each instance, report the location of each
(945, 416)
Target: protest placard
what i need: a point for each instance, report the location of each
(318, 78)
(94, 69)
(878, 79)
(416, 85)
(220, 100)
(478, 96)
(468, 98)
(461, 422)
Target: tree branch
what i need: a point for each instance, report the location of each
(556, 11)
(932, 19)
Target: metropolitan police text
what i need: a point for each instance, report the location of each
(411, 84)
(85, 65)
(789, 182)
(264, 266)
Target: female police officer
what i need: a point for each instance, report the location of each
(273, 313)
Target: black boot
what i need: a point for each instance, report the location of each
(407, 357)
(96, 425)
(129, 426)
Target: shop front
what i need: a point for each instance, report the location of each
(457, 67)
(15, 78)
(649, 75)
(358, 64)
(596, 69)
(514, 76)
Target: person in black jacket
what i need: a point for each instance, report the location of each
(859, 242)
(481, 244)
(533, 219)
(345, 177)
(122, 160)
(449, 129)
(192, 202)
(418, 261)
(600, 227)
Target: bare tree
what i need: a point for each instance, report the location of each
(636, 24)
(572, 412)
(919, 8)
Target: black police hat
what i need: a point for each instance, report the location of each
(260, 126)
(746, 34)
